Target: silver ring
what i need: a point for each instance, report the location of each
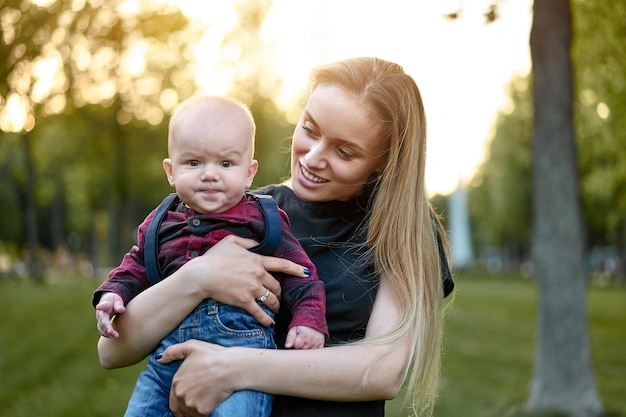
(264, 296)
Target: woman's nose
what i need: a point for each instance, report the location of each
(316, 156)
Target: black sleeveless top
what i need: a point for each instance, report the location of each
(332, 235)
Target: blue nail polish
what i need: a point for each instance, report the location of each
(307, 271)
(158, 356)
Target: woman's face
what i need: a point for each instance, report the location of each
(336, 147)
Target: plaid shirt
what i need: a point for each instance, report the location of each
(185, 234)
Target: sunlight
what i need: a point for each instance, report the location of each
(13, 115)
(8, 19)
(603, 110)
(43, 3)
(55, 105)
(461, 66)
(218, 18)
(134, 60)
(46, 72)
(168, 99)
(129, 7)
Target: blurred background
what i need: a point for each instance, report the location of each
(86, 89)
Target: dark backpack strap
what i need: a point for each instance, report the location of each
(151, 247)
(272, 224)
(269, 208)
(448, 282)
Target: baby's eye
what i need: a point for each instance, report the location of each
(194, 163)
(226, 164)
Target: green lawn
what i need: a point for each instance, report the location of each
(490, 341)
(49, 367)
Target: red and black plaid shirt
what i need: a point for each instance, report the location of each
(185, 234)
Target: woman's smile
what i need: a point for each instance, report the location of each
(310, 176)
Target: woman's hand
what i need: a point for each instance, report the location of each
(358, 372)
(240, 277)
(194, 392)
(227, 272)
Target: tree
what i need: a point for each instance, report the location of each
(563, 378)
(64, 56)
(599, 53)
(21, 42)
(500, 190)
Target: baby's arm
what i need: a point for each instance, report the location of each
(303, 337)
(110, 304)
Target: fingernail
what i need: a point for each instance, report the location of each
(307, 271)
(158, 356)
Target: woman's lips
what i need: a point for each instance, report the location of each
(310, 176)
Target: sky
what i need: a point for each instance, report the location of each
(460, 66)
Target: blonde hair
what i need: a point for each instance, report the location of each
(403, 245)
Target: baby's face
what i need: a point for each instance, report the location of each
(210, 162)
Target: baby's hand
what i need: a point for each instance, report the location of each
(110, 304)
(302, 337)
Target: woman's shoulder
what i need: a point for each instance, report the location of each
(280, 192)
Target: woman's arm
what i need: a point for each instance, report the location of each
(228, 272)
(210, 373)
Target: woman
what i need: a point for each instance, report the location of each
(358, 204)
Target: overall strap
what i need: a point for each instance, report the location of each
(151, 249)
(269, 208)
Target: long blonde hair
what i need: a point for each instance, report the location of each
(402, 227)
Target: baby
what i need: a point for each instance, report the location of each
(210, 164)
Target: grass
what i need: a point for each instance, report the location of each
(48, 358)
(490, 344)
(49, 366)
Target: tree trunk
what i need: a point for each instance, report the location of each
(32, 229)
(563, 378)
(56, 219)
(122, 224)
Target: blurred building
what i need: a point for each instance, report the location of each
(460, 233)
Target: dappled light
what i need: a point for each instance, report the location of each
(15, 115)
(73, 53)
(603, 110)
(111, 67)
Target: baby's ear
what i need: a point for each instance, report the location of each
(254, 166)
(169, 171)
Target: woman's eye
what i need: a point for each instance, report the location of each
(344, 153)
(309, 129)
